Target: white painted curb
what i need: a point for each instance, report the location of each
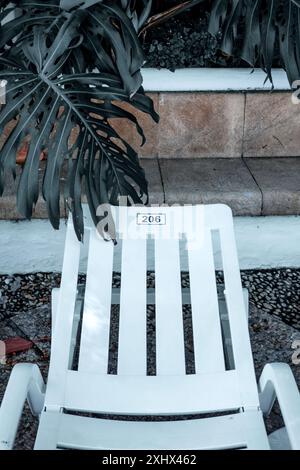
(208, 79)
(263, 242)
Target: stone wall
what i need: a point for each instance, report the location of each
(218, 125)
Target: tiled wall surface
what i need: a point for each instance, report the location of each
(223, 125)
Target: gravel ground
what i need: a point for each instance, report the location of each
(274, 325)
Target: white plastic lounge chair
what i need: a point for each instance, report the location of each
(225, 397)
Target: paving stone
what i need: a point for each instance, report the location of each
(279, 181)
(208, 181)
(271, 125)
(204, 125)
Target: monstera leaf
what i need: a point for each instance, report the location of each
(67, 69)
(265, 24)
(138, 12)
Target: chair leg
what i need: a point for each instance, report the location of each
(279, 440)
(25, 383)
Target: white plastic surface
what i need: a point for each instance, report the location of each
(210, 79)
(171, 392)
(25, 383)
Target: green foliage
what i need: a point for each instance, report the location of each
(67, 65)
(265, 24)
(69, 62)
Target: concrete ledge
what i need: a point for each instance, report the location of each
(209, 181)
(209, 79)
(250, 186)
(279, 183)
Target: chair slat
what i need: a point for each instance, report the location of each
(170, 354)
(152, 395)
(132, 353)
(243, 358)
(221, 432)
(97, 306)
(63, 327)
(208, 344)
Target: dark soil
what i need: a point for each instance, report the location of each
(184, 42)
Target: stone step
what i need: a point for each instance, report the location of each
(250, 186)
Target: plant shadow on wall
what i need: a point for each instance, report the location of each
(69, 63)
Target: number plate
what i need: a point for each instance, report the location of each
(151, 219)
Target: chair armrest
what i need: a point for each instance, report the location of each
(277, 381)
(25, 382)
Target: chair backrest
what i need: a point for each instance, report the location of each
(164, 227)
